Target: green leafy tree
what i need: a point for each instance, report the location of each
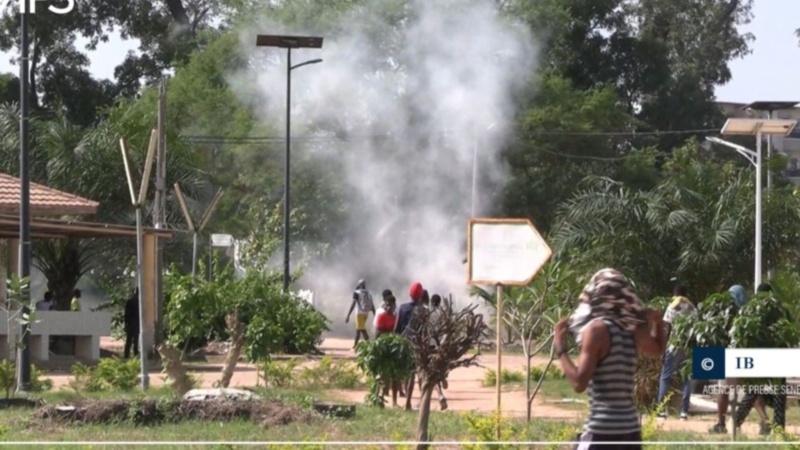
(87, 162)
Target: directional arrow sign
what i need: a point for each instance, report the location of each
(505, 251)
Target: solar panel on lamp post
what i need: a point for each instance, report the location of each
(757, 128)
(288, 42)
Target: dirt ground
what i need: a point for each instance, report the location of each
(465, 393)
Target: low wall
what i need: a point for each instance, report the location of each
(87, 327)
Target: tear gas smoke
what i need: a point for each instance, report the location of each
(438, 77)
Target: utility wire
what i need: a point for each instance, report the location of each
(255, 140)
(224, 139)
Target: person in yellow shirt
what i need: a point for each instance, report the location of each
(75, 304)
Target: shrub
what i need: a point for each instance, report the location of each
(119, 374)
(553, 373)
(274, 320)
(387, 359)
(8, 377)
(278, 373)
(507, 376)
(110, 373)
(331, 373)
(84, 379)
(39, 382)
(483, 428)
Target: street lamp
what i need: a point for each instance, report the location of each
(288, 42)
(757, 128)
(769, 108)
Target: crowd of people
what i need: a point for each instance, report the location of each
(390, 318)
(611, 327)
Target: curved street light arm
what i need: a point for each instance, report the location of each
(746, 152)
(313, 61)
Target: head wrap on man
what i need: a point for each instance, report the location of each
(608, 296)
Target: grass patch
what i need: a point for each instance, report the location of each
(369, 424)
(517, 377)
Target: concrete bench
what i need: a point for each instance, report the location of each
(86, 327)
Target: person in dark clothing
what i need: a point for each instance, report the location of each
(405, 327)
(776, 399)
(406, 310)
(131, 322)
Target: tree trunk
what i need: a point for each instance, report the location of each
(62, 263)
(526, 350)
(539, 384)
(181, 383)
(236, 330)
(424, 416)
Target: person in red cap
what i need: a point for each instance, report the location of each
(407, 309)
(404, 316)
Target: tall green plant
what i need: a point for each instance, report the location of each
(385, 360)
(764, 323)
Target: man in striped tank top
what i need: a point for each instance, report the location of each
(610, 325)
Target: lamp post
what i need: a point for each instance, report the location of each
(23, 352)
(288, 42)
(473, 209)
(757, 128)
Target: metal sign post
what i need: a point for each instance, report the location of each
(504, 252)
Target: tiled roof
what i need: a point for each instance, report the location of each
(44, 200)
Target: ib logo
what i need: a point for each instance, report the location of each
(29, 6)
(708, 363)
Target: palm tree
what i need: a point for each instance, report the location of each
(88, 163)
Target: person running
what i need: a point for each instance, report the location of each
(363, 300)
(673, 359)
(130, 321)
(776, 399)
(740, 298)
(610, 326)
(385, 321)
(405, 327)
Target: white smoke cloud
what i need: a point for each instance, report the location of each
(442, 82)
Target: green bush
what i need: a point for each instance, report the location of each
(8, 377)
(553, 373)
(119, 374)
(278, 373)
(84, 379)
(39, 382)
(275, 321)
(764, 323)
(506, 377)
(385, 360)
(335, 373)
(110, 374)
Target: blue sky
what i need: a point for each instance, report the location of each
(770, 72)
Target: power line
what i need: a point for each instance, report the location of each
(259, 139)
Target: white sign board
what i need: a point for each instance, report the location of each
(505, 251)
(221, 240)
